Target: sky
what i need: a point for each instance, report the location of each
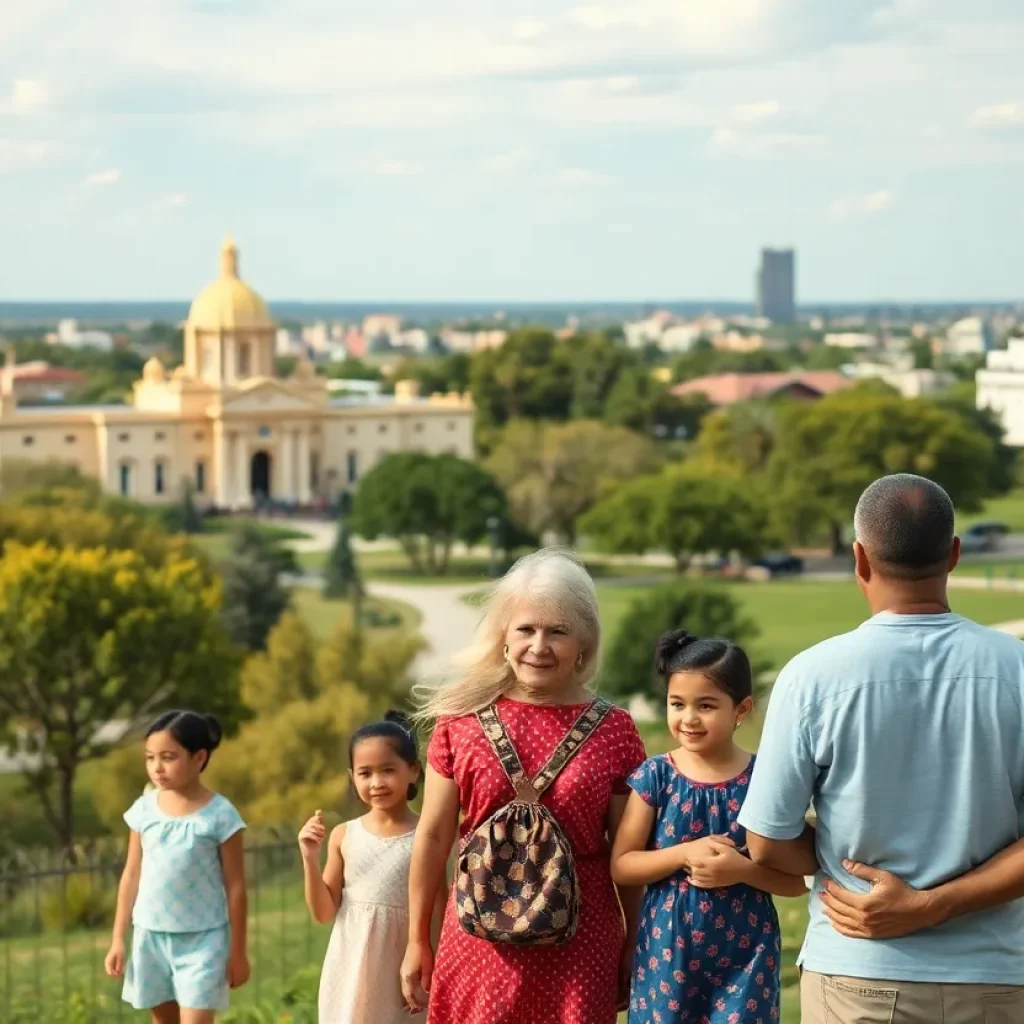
(513, 151)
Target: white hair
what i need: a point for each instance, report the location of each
(552, 579)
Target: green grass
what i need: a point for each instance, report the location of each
(992, 568)
(794, 615)
(1008, 509)
(322, 614)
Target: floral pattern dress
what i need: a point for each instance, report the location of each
(702, 957)
(479, 982)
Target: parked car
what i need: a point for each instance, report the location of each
(782, 564)
(982, 537)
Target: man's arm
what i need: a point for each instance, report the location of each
(775, 810)
(893, 909)
(790, 856)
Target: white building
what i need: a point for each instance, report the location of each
(68, 334)
(971, 336)
(901, 374)
(680, 337)
(1001, 388)
(851, 340)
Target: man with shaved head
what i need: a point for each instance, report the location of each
(907, 736)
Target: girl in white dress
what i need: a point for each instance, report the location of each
(364, 887)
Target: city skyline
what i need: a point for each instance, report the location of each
(575, 152)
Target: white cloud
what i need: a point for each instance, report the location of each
(28, 95)
(19, 155)
(581, 177)
(102, 179)
(762, 111)
(856, 206)
(528, 31)
(172, 201)
(1000, 114)
(752, 145)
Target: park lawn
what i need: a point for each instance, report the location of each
(322, 614)
(795, 614)
(992, 568)
(1007, 509)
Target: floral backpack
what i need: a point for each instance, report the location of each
(516, 879)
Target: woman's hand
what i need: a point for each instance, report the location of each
(311, 836)
(721, 867)
(416, 972)
(113, 963)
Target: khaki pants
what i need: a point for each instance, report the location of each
(832, 1000)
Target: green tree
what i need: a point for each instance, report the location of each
(703, 610)
(741, 435)
(341, 573)
(427, 503)
(596, 364)
(924, 356)
(685, 512)
(641, 402)
(94, 637)
(553, 473)
(1005, 467)
(254, 595)
(827, 452)
(285, 671)
(525, 377)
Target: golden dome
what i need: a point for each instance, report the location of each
(229, 303)
(154, 372)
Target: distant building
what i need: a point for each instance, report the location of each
(851, 339)
(902, 375)
(382, 324)
(38, 381)
(1001, 389)
(680, 337)
(227, 423)
(68, 334)
(776, 286)
(971, 336)
(730, 388)
(737, 341)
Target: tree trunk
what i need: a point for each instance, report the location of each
(838, 544)
(66, 782)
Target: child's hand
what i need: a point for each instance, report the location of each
(238, 969)
(312, 835)
(700, 849)
(724, 867)
(113, 963)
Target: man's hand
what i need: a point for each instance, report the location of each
(890, 910)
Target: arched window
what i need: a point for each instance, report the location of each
(244, 359)
(159, 477)
(125, 478)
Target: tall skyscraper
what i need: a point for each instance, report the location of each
(776, 286)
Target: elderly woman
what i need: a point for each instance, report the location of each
(536, 651)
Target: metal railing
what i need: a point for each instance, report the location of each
(56, 913)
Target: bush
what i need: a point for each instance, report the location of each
(703, 610)
(294, 1003)
(77, 901)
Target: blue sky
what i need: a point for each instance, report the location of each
(451, 150)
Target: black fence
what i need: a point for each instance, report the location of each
(56, 913)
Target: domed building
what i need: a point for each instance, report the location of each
(227, 424)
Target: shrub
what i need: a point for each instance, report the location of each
(703, 610)
(78, 901)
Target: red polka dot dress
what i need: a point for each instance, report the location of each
(479, 982)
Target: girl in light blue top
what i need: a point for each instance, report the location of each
(183, 886)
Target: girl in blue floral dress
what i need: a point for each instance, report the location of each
(708, 949)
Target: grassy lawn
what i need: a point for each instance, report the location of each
(1009, 509)
(793, 615)
(992, 568)
(322, 614)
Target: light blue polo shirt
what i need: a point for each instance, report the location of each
(908, 736)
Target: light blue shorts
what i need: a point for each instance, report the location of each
(187, 968)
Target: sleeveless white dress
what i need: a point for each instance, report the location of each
(360, 980)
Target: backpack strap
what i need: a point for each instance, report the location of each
(494, 729)
(589, 720)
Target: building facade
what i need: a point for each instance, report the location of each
(776, 286)
(226, 424)
(1001, 389)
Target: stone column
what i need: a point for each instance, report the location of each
(221, 480)
(287, 465)
(305, 495)
(243, 490)
(231, 359)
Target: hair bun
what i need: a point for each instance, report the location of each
(216, 731)
(669, 645)
(399, 718)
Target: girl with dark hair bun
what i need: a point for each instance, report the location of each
(709, 937)
(183, 886)
(364, 887)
